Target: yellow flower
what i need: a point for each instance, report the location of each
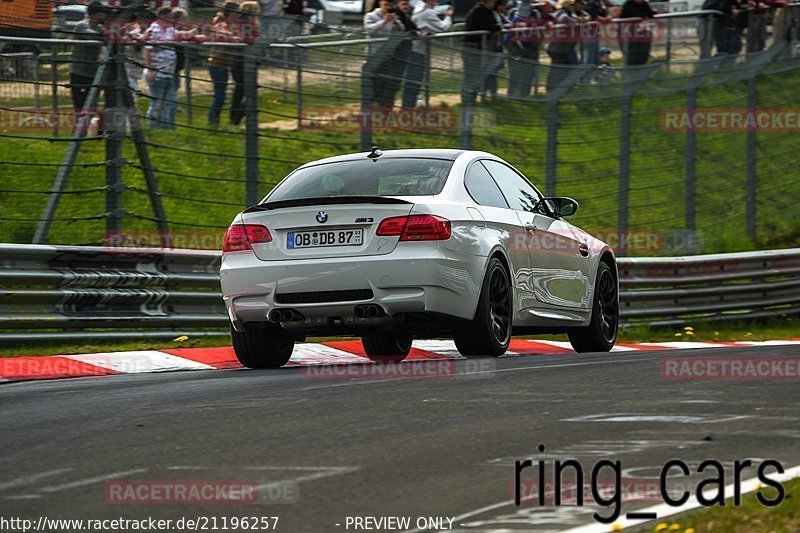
(180, 339)
(662, 526)
(688, 530)
(690, 332)
(689, 328)
(616, 527)
(679, 334)
(674, 527)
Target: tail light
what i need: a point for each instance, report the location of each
(240, 237)
(416, 228)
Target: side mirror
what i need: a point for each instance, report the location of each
(562, 206)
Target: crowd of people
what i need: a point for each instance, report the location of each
(570, 32)
(150, 42)
(512, 36)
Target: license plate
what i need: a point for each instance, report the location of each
(318, 239)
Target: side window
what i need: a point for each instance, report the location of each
(482, 187)
(518, 191)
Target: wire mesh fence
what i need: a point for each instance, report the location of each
(676, 155)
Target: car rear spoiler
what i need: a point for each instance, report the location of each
(326, 200)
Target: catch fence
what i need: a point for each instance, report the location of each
(624, 140)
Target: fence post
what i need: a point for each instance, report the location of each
(375, 59)
(638, 76)
(299, 94)
(427, 78)
(54, 88)
(187, 50)
(752, 148)
(114, 127)
(704, 68)
(367, 96)
(252, 59)
(251, 125)
(574, 74)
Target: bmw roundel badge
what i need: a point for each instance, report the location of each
(322, 216)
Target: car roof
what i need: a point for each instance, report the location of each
(450, 154)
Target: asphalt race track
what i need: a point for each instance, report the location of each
(381, 447)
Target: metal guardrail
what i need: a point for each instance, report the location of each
(682, 290)
(73, 293)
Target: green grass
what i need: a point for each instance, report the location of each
(750, 516)
(588, 165)
(778, 328)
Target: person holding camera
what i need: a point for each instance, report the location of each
(384, 21)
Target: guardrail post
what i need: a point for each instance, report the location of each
(637, 76)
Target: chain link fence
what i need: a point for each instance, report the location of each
(683, 154)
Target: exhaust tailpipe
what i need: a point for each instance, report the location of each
(285, 315)
(373, 311)
(360, 311)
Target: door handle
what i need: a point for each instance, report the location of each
(583, 248)
(530, 227)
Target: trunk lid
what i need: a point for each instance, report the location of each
(323, 228)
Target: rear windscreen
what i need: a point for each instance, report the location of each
(386, 177)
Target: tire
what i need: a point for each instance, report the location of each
(262, 348)
(601, 333)
(489, 333)
(387, 348)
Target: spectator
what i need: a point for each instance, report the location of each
(220, 59)
(523, 50)
(399, 62)
(295, 12)
(727, 32)
(637, 49)
(382, 22)
(183, 31)
(604, 69)
(83, 68)
(581, 17)
(428, 23)
(159, 61)
(561, 47)
(757, 26)
(480, 18)
(245, 30)
(704, 33)
(598, 15)
(497, 46)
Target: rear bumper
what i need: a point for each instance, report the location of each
(415, 277)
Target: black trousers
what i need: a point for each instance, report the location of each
(79, 88)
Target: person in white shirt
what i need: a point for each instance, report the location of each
(428, 23)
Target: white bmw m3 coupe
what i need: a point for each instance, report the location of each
(413, 243)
